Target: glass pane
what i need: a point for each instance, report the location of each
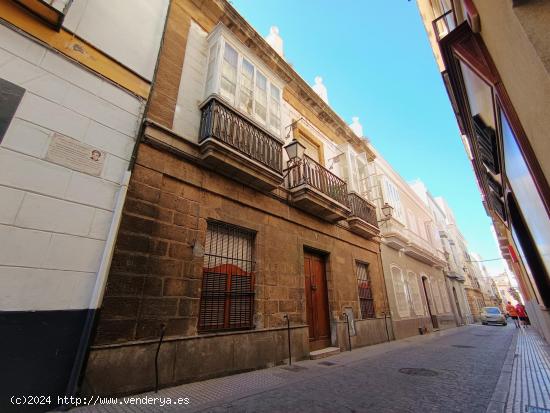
(246, 87)
(526, 193)
(229, 73)
(261, 96)
(275, 108)
(480, 96)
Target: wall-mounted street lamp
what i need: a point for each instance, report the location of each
(387, 211)
(295, 150)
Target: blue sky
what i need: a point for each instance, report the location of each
(376, 62)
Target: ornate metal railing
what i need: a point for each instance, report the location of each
(307, 171)
(361, 208)
(225, 124)
(444, 24)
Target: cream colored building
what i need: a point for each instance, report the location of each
(447, 231)
(412, 255)
(494, 58)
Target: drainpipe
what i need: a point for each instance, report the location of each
(99, 289)
(386, 299)
(101, 280)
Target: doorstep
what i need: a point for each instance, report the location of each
(324, 352)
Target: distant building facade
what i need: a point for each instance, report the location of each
(448, 234)
(412, 255)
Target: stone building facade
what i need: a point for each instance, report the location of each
(223, 238)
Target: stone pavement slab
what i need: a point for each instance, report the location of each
(530, 375)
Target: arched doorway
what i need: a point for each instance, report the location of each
(458, 306)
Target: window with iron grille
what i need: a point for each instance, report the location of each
(227, 297)
(366, 301)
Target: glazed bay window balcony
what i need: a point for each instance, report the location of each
(316, 190)
(238, 148)
(362, 220)
(240, 133)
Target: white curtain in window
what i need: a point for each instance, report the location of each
(437, 296)
(212, 64)
(444, 296)
(246, 91)
(228, 85)
(415, 293)
(399, 288)
(275, 108)
(261, 96)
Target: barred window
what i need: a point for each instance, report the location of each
(227, 296)
(366, 302)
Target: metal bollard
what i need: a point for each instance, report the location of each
(349, 334)
(288, 331)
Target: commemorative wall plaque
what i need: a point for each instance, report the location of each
(76, 155)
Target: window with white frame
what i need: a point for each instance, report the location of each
(239, 81)
(414, 289)
(401, 292)
(392, 197)
(413, 223)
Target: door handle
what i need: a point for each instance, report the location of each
(313, 287)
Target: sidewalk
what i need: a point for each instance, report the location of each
(524, 384)
(473, 368)
(211, 394)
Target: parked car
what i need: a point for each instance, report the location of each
(492, 315)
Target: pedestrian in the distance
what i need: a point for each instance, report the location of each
(522, 314)
(512, 312)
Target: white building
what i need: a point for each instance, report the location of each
(74, 80)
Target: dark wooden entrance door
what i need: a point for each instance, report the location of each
(316, 301)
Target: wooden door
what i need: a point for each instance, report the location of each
(316, 301)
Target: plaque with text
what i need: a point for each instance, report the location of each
(76, 155)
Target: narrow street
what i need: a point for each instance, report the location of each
(451, 371)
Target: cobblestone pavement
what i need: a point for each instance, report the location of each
(459, 372)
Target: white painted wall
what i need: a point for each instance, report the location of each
(129, 31)
(187, 117)
(53, 220)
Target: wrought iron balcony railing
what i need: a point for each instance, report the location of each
(444, 24)
(308, 172)
(363, 209)
(219, 121)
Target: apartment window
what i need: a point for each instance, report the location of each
(400, 289)
(444, 296)
(366, 300)
(392, 197)
(414, 292)
(243, 85)
(228, 85)
(413, 225)
(227, 297)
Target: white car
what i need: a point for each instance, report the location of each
(492, 315)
